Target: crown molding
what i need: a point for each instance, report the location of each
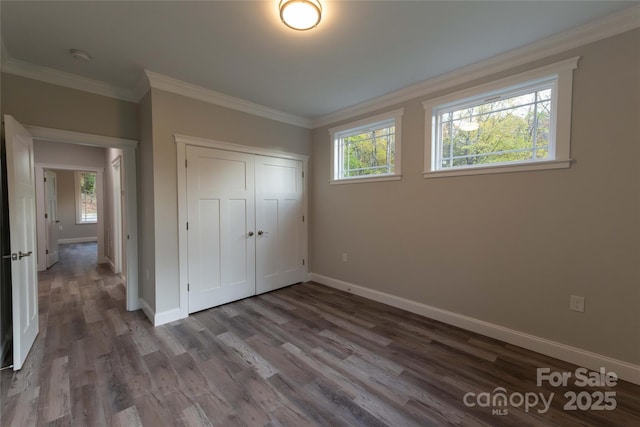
(62, 78)
(168, 84)
(238, 148)
(618, 23)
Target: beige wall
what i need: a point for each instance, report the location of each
(67, 209)
(50, 152)
(37, 103)
(177, 114)
(508, 248)
(146, 213)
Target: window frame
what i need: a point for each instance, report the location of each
(560, 73)
(78, 196)
(359, 125)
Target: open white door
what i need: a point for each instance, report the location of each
(51, 215)
(22, 228)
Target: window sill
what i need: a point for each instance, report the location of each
(484, 170)
(367, 179)
(86, 223)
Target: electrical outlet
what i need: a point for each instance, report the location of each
(60, 227)
(344, 257)
(576, 303)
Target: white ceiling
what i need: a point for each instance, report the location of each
(361, 50)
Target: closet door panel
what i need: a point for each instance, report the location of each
(269, 257)
(237, 253)
(290, 213)
(207, 270)
(279, 223)
(221, 217)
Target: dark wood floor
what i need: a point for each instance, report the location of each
(304, 355)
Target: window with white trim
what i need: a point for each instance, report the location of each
(518, 123)
(367, 150)
(86, 198)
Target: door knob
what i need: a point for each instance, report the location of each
(250, 233)
(24, 254)
(260, 232)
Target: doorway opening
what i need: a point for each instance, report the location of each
(117, 225)
(69, 206)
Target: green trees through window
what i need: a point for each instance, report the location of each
(87, 200)
(511, 128)
(370, 152)
(368, 149)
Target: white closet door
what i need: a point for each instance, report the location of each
(221, 215)
(278, 223)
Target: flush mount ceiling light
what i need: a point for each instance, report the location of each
(300, 15)
(80, 55)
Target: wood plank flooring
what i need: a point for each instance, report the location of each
(306, 355)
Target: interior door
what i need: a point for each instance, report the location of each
(22, 228)
(51, 215)
(221, 217)
(279, 223)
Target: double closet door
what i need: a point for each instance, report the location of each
(245, 225)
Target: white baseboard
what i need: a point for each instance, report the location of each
(112, 266)
(160, 318)
(146, 308)
(168, 316)
(77, 240)
(625, 370)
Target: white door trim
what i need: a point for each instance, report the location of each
(50, 182)
(210, 143)
(128, 147)
(116, 213)
(41, 234)
(181, 142)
